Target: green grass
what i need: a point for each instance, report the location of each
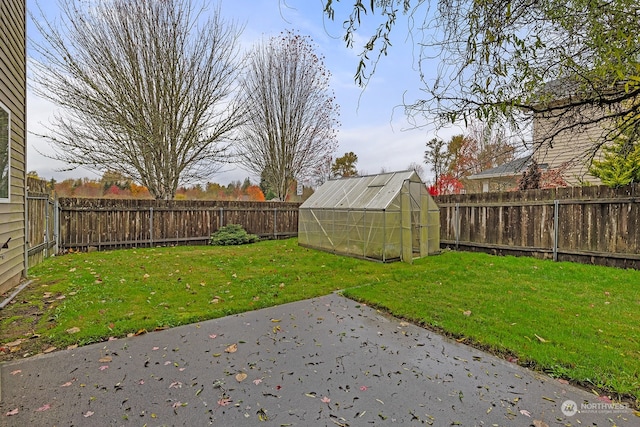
(577, 322)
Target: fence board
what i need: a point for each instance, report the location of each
(598, 225)
(118, 223)
(40, 222)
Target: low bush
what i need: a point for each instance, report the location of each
(232, 234)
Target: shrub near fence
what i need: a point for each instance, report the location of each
(598, 225)
(121, 223)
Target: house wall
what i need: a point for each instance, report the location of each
(492, 184)
(571, 150)
(13, 98)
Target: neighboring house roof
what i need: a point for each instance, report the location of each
(509, 169)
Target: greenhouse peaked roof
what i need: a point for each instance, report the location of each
(372, 192)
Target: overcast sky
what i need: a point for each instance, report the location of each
(373, 124)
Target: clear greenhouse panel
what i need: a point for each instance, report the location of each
(363, 217)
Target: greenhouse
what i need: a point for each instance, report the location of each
(386, 217)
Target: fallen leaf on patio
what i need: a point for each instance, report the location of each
(155, 348)
(605, 399)
(179, 404)
(363, 388)
(262, 415)
(561, 381)
(231, 349)
(141, 382)
(241, 377)
(325, 399)
(12, 412)
(17, 371)
(525, 412)
(213, 336)
(175, 384)
(257, 381)
(276, 320)
(72, 347)
(68, 383)
(538, 423)
(49, 350)
(105, 359)
(73, 330)
(224, 402)
(102, 368)
(44, 408)
(540, 338)
(88, 414)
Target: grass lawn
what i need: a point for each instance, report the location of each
(576, 322)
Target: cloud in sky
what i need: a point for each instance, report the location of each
(373, 122)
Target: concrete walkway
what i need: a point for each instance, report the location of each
(323, 362)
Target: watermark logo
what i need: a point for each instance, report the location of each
(570, 408)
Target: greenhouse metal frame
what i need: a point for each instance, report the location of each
(385, 217)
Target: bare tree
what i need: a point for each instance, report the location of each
(146, 88)
(418, 168)
(292, 116)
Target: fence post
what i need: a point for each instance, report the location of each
(457, 224)
(56, 224)
(46, 228)
(151, 227)
(556, 209)
(221, 218)
(275, 223)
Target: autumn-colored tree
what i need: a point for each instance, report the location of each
(90, 189)
(139, 191)
(448, 184)
(113, 192)
(255, 193)
(345, 166)
(64, 188)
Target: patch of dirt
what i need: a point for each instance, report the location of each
(18, 322)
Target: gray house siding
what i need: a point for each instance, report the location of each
(13, 101)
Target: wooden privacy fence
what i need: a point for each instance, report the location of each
(597, 225)
(41, 222)
(121, 223)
